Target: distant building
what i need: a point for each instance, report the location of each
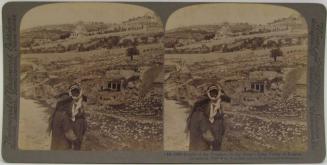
(259, 29)
(38, 76)
(291, 23)
(148, 22)
(223, 32)
(258, 86)
(42, 90)
(41, 41)
(278, 26)
(235, 46)
(150, 54)
(117, 80)
(260, 81)
(186, 41)
(79, 31)
(114, 86)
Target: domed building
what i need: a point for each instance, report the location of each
(79, 31)
(223, 32)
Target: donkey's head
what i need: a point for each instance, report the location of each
(215, 92)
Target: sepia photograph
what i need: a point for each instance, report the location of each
(96, 77)
(91, 78)
(236, 79)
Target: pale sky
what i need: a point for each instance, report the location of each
(60, 13)
(233, 12)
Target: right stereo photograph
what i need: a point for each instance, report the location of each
(236, 79)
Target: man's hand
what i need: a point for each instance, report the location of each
(208, 136)
(70, 135)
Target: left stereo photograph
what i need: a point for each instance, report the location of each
(90, 78)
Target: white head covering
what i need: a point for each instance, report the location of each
(75, 86)
(77, 103)
(215, 107)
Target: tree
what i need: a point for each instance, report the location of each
(132, 51)
(274, 53)
(114, 40)
(144, 39)
(135, 42)
(216, 48)
(81, 48)
(65, 35)
(209, 36)
(60, 48)
(225, 48)
(127, 42)
(170, 44)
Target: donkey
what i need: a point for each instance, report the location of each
(205, 123)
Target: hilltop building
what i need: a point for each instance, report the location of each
(79, 31)
(148, 22)
(223, 32)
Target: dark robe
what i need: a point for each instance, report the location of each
(61, 125)
(217, 128)
(205, 135)
(80, 126)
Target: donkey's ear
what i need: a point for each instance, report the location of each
(225, 98)
(84, 98)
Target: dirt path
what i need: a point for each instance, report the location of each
(33, 123)
(175, 139)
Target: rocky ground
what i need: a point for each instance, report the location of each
(136, 126)
(111, 132)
